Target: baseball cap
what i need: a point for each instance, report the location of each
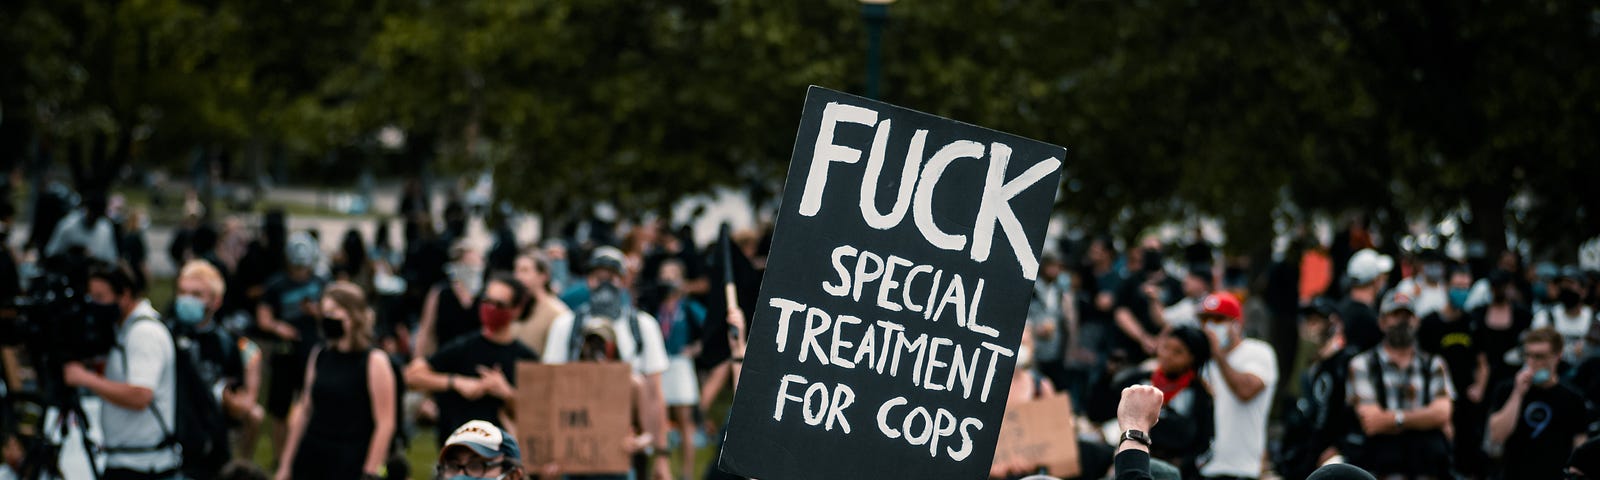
(485, 440)
(1367, 264)
(1397, 301)
(606, 257)
(1221, 303)
(302, 250)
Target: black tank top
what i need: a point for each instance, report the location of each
(451, 319)
(341, 401)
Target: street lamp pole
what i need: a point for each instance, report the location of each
(875, 13)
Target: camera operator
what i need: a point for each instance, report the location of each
(222, 361)
(138, 387)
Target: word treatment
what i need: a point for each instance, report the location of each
(886, 330)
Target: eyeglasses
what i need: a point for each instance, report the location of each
(473, 469)
(1540, 356)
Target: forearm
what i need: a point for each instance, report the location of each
(123, 395)
(1130, 326)
(1243, 385)
(1432, 417)
(421, 378)
(1503, 421)
(658, 408)
(297, 428)
(378, 446)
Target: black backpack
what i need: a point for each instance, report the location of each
(200, 432)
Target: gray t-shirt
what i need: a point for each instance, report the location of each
(144, 358)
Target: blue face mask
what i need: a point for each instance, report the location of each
(1458, 298)
(1541, 376)
(191, 310)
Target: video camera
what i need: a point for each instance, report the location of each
(54, 318)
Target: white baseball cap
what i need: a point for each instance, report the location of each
(1367, 264)
(485, 440)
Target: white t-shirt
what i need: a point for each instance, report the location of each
(1425, 299)
(147, 347)
(1185, 312)
(1241, 435)
(1572, 329)
(647, 358)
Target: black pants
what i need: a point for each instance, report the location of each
(114, 473)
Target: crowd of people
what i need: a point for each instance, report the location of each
(1429, 368)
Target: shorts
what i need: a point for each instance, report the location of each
(678, 384)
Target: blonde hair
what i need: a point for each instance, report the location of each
(203, 271)
(353, 301)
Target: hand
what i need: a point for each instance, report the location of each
(1524, 381)
(1140, 408)
(736, 320)
(1151, 292)
(551, 470)
(494, 382)
(1045, 331)
(469, 388)
(1475, 393)
(1377, 422)
(1150, 344)
(75, 374)
(661, 468)
(692, 350)
(285, 331)
(283, 473)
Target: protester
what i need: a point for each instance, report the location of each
(681, 320)
(1427, 284)
(534, 270)
(1402, 399)
(1570, 317)
(86, 229)
(227, 365)
(1497, 329)
(1139, 303)
(449, 312)
(343, 420)
(474, 376)
(1537, 419)
(288, 314)
(1137, 413)
(1242, 376)
(1367, 271)
(636, 336)
(140, 381)
(1187, 413)
(480, 450)
(1448, 334)
(1315, 428)
(11, 455)
(1047, 319)
(607, 266)
(601, 343)
(1196, 285)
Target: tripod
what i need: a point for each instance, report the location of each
(62, 409)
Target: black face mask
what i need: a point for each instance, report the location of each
(332, 330)
(109, 313)
(1400, 336)
(1569, 298)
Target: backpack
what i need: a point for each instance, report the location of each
(575, 339)
(200, 433)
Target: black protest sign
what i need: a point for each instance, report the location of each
(894, 297)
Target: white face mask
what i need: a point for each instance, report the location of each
(1222, 331)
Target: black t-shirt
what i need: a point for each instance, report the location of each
(1538, 448)
(1130, 295)
(462, 357)
(288, 300)
(1360, 325)
(1496, 343)
(1453, 342)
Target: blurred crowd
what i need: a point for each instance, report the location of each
(1408, 364)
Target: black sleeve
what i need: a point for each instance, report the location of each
(525, 353)
(1133, 465)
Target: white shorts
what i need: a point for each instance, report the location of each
(678, 384)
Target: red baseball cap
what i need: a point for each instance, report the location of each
(1221, 303)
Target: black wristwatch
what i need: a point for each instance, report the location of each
(1137, 436)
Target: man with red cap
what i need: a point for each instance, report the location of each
(1242, 376)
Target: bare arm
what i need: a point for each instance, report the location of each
(123, 395)
(298, 416)
(420, 377)
(1130, 326)
(425, 340)
(1432, 417)
(1243, 385)
(380, 385)
(656, 405)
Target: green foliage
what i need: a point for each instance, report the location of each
(1243, 111)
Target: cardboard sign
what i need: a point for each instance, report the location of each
(894, 299)
(576, 415)
(1040, 433)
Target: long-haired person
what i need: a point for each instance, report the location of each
(343, 422)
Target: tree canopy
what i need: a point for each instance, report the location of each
(1249, 112)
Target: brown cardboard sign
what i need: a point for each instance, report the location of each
(1040, 433)
(577, 415)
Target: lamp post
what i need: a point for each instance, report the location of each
(875, 13)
